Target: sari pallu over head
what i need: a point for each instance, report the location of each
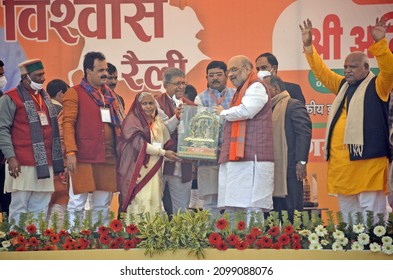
(132, 154)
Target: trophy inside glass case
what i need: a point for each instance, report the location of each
(198, 133)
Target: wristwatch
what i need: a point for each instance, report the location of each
(302, 162)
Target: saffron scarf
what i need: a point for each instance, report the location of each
(238, 131)
(37, 138)
(109, 101)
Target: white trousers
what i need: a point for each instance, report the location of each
(28, 202)
(60, 210)
(365, 201)
(180, 192)
(100, 202)
(390, 191)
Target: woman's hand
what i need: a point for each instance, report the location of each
(171, 155)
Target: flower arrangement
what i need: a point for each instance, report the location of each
(198, 230)
(305, 233)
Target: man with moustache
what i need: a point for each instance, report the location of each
(246, 173)
(178, 175)
(111, 82)
(217, 93)
(91, 123)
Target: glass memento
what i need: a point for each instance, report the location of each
(198, 133)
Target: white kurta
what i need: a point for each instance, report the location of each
(28, 181)
(247, 184)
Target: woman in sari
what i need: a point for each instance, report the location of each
(141, 152)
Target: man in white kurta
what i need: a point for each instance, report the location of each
(246, 177)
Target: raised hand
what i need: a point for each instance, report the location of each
(306, 32)
(379, 30)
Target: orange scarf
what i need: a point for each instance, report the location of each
(238, 131)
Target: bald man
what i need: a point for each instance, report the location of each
(356, 141)
(246, 172)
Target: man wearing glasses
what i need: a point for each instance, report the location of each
(178, 175)
(217, 93)
(246, 173)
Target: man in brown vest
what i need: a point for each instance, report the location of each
(91, 123)
(246, 172)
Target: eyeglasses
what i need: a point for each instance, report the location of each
(178, 84)
(218, 74)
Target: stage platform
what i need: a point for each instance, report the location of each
(211, 254)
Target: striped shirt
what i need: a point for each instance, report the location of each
(212, 97)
